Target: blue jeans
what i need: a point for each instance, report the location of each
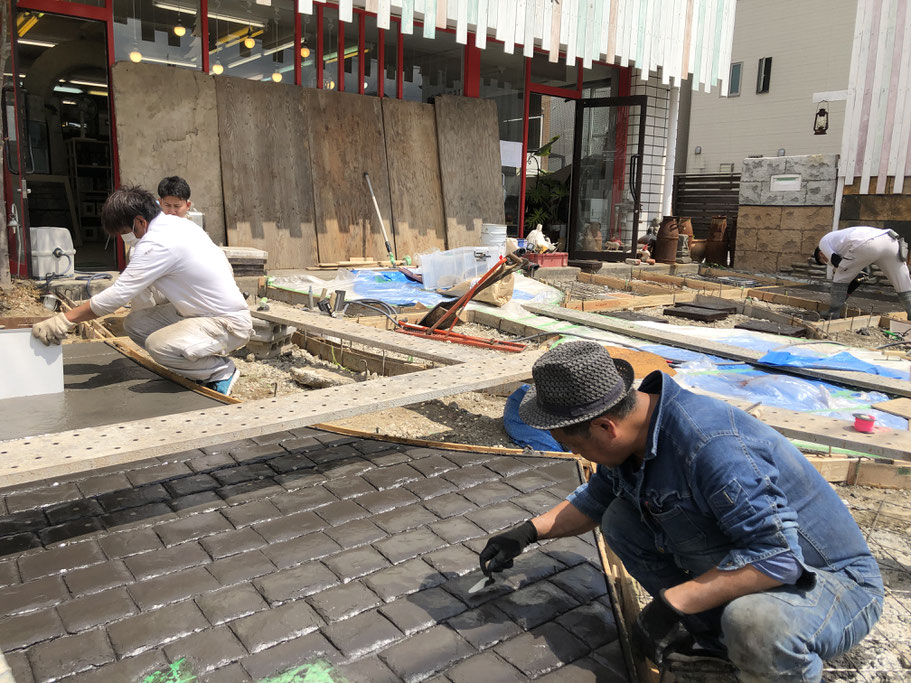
(783, 634)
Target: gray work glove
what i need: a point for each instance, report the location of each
(53, 330)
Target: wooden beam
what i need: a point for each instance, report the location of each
(849, 324)
(622, 284)
(41, 457)
(862, 380)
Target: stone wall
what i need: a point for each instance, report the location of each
(778, 228)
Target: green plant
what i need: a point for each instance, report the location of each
(544, 199)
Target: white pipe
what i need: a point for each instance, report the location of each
(670, 152)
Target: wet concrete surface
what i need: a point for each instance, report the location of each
(879, 299)
(303, 552)
(101, 386)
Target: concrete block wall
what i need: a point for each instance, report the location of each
(776, 229)
(890, 211)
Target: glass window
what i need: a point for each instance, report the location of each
(352, 57)
(559, 75)
(248, 40)
(371, 55)
(330, 48)
(502, 79)
(308, 50)
(432, 67)
(764, 77)
(391, 59)
(734, 80)
(161, 32)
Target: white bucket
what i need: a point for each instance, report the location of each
(493, 235)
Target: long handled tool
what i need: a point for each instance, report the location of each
(379, 217)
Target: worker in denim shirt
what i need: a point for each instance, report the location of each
(745, 549)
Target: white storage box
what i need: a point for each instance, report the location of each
(45, 241)
(444, 269)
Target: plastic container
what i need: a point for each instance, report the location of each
(45, 241)
(444, 269)
(551, 260)
(864, 423)
(493, 234)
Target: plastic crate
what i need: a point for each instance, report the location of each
(555, 258)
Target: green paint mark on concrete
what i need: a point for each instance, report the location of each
(317, 671)
(178, 672)
(904, 470)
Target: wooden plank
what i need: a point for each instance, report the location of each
(414, 177)
(622, 284)
(861, 380)
(469, 152)
(324, 326)
(41, 457)
(167, 122)
(897, 406)
(265, 167)
(346, 140)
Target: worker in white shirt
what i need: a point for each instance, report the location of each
(850, 250)
(206, 317)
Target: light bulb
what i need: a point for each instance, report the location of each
(217, 68)
(180, 30)
(136, 56)
(305, 52)
(249, 43)
(277, 77)
(331, 85)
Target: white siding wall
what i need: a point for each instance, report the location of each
(810, 45)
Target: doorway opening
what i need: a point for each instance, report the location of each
(64, 160)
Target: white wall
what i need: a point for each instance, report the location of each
(810, 45)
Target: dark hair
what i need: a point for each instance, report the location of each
(124, 205)
(618, 411)
(816, 254)
(174, 186)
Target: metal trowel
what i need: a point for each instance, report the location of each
(485, 582)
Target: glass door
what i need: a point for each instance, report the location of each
(15, 159)
(606, 189)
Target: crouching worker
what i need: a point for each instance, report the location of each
(747, 552)
(206, 317)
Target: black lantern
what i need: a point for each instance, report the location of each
(821, 121)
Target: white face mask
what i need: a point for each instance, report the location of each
(129, 239)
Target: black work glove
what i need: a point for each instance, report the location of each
(835, 260)
(657, 628)
(502, 548)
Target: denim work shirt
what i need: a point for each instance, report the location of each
(718, 484)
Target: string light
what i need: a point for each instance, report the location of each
(305, 52)
(217, 68)
(249, 42)
(180, 30)
(331, 85)
(277, 77)
(136, 56)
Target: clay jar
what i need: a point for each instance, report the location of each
(697, 250)
(685, 227)
(666, 244)
(716, 247)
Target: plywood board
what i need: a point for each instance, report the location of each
(414, 177)
(29, 367)
(346, 141)
(897, 406)
(469, 145)
(167, 125)
(265, 166)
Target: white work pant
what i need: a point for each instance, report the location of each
(883, 251)
(192, 347)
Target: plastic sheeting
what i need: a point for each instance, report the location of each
(521, 433)
(838, 361)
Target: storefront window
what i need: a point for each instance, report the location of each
(308, 54)
(371, 55)
(330, 48)
(432, 67)
(352, 57)
(160, 31)
(503, 81)
(555, 74)
(254, 41)
(391, 58)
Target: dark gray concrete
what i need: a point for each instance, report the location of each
(101, 386)
(303, 553)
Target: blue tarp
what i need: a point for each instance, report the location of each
(521, 433)
(839, 361)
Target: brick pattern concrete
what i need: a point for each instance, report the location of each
(254, 557)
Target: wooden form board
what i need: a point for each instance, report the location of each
(264, 134)
(41, 457)
(897, 406)
(167, 125)
(346, 141)
(623, 284)
(857, 379)
(468, 140)
(414, 177)
(324, 326)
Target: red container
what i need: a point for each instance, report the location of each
(555, 258)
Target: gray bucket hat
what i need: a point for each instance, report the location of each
(574, 382)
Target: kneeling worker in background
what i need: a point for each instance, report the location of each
(206, 317)
(850, 250)
(747, 552)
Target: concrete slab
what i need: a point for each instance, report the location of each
(150, 574)
(101, 387)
